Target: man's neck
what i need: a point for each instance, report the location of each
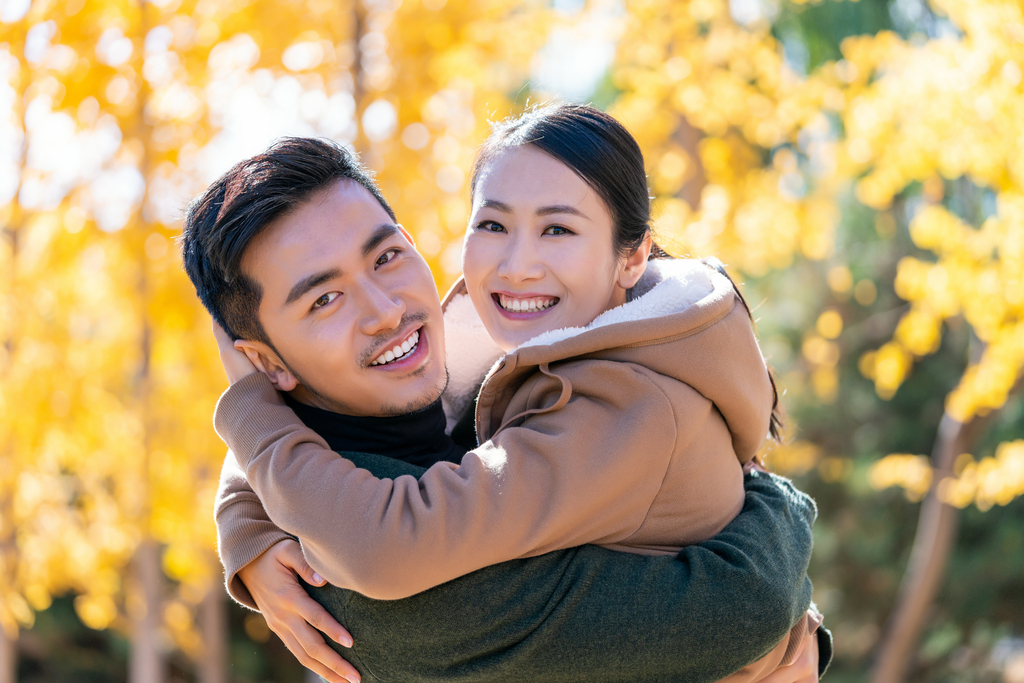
(418, 437)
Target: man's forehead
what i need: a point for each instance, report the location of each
(341, 214)
(324, 232)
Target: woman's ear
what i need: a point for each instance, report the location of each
(635, 264)
(268, 362)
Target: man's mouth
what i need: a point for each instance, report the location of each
(400, 351)
(531, 304)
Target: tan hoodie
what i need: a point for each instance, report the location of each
(629, 433)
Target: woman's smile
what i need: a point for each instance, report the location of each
(523, 306)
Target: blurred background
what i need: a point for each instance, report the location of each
(857, 165)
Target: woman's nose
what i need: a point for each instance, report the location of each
(519, 263)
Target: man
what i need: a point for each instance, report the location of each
(298, 256)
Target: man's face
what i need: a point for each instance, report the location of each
(350, 307)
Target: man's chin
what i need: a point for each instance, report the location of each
(419, 403)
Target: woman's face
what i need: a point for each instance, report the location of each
(538, 253)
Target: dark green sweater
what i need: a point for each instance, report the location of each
(595, 615)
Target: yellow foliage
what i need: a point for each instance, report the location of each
(910, 472)
(992, 481)
(793, 459)
(829, 324)
(946, 109)
(111, 373)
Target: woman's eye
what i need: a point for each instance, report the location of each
(386, 257)
(490, 226)
(557, 230)
(324, 299)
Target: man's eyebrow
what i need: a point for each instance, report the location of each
(379, 235)
(309, 282)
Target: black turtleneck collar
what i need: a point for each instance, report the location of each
(417, 438)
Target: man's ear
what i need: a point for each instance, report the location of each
(406, 234)
(268, 362)
(635, 264)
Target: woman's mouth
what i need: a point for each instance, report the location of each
(523, 307)
(402, 351)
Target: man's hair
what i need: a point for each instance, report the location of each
(221, 223)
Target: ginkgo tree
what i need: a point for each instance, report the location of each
(752, 160)
(123, 110)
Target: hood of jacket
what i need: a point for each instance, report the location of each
(684, 320)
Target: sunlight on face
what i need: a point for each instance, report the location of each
(538, 253)
(350, 306)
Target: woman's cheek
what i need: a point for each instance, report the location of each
(475, 261)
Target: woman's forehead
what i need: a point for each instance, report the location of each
(526, 177)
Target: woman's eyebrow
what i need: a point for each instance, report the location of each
(495, 204)
(542, 211)
(560, 208)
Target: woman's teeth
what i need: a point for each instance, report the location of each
(537, 303)
(399, 352)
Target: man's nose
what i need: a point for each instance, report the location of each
(382, 310)
(520, 262)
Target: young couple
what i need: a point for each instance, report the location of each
(550, 476)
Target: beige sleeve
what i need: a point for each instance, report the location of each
(577, 475)
(244, 530)
(783, 654)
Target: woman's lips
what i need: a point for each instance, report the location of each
(523, 306)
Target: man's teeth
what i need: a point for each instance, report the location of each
(537, 303)
(400, 351)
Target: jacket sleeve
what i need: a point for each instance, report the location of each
(244, 530)
(597, 615)
(563, 479)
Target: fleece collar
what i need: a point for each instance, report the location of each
(666, 287)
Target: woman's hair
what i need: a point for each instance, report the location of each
(598, 149)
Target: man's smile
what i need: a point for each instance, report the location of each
(399, 351)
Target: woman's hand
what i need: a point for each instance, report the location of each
(236, 363)
(803, 669)
(293, 615)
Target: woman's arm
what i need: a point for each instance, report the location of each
(574, 476)
(716, 607)
(262, 565)
(244, 530)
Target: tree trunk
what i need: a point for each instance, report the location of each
(214, 625)
(8, 658)
(146, 660)
(689, 139)
(933, 544)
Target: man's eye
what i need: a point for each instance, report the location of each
(386, 257)
(557, 230)
(490, 226)
(324, 299)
